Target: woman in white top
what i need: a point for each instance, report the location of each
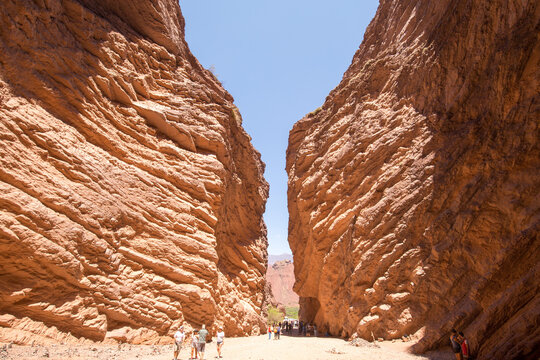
(179, 338)
(220, 335)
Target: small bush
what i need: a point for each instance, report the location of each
(315, 112)
(291, 311)
(274, 315)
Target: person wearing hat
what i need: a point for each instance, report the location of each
(179, 338)
(220, 336)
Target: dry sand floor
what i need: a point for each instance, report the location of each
(248, 348)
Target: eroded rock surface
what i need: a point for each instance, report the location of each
(414, 190)
(131, 197)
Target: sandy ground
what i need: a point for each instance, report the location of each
(249, 348)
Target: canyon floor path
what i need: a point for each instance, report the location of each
(249, 348)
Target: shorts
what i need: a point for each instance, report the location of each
(201, 347)
(220, 343)
(178, 345)
(456, 349)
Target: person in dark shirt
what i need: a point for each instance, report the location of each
(454, 341)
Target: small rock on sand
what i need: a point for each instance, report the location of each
(359, 342)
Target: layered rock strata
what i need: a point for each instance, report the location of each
(131, 197)
(414, 191)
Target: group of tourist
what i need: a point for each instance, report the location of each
(197, 342)
(287, 326)
(277, 330)
(307, 329)
(274, 330)
(460, 345)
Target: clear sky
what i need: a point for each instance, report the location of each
(279, 59)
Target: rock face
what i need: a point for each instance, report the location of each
(414, 190)
(280, 276)
(131, 197)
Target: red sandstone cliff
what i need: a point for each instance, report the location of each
(131, 198)
(414, 191)
(280, 276)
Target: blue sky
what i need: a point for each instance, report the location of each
(279, 60)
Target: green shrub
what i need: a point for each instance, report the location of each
(292, 311)
(315, 112)
(274, 315)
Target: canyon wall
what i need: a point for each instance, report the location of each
(414, 191)
(131, 198)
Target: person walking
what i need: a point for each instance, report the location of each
(194, 344)
(465, 351)
(220, 336)
(279, 331)
(456, 346)
(202, 341)
(179, 338)
(270, 329)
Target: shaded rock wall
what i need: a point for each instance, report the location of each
(131, 197)
(414, 190)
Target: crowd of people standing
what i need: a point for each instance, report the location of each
(197, 342)
(198, 338)
(287, 327)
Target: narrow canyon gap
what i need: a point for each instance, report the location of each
(131, 197)
(414, 190)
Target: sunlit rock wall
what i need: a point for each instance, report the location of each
(414, 190)
(131, 198)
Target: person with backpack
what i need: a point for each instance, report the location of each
(465, 351)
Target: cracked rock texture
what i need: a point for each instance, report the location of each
(131, 198)
(414, 189)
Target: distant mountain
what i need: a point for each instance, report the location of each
(272, 259)
(280, 276)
